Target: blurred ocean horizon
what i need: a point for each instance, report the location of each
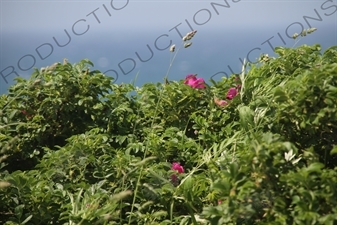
(212, 52)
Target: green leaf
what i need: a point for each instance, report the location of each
(18, 210)
(333, 150)
(280, 95)
(159, 214)
(13, 114)
(246, 117)
(314, 167)
(144, 161)
(80, 102)
(27, 219)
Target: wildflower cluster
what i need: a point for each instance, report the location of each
(186, 38)
(304, 32)
(199, 83)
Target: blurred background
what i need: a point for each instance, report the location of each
(129, 39)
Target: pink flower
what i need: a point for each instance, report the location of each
(179, 168)
(194, 82)
(219, 202)
(24, 112)
(220, 102)
(232, 92)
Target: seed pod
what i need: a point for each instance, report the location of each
(310, 30)
(172, 48)
(189, 35)
(295, 36)
(186, 45)
(303, 33)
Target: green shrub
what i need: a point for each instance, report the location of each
(254, 148)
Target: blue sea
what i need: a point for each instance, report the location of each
(212, 52)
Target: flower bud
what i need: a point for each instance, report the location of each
(295, 36)
(310, 30)
(186, 45)
(172, 48)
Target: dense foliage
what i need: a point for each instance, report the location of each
(255, 148)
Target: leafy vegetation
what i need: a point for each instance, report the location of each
(254, 148)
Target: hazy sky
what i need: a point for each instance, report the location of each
(107, 32)
(53, 15)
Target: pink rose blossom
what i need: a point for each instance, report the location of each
(220, 102)
(194, 82)
(179, 168)
(24, 112)
(190, 77)
(232, 92)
